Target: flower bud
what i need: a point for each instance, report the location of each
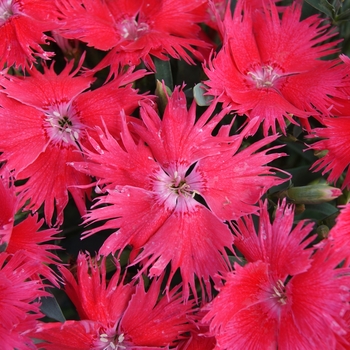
(311, 194)
(163, 92)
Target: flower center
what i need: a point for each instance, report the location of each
(177, 189)
(6, 10)
(179, 186)
(63, 125)
(280, 293)
(111, 343)
(130, 29)
(264, 76)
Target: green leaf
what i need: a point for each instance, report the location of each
(323, 6)
(317, 212)
(50, 308)
(163, 72)
(343, 17)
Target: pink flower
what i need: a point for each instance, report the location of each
(44, 120)
(22, 27)
(341, 106)
(335, 142)
(199, 337)
(335, 137)
(25, 236)
(157, 188)
(134, 30)
(267, 64)
(273, 303)
(339, 235)
(116, 315)
(7, 211)
(19, 308)
(276, 243)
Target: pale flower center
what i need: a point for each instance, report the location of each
(175, 188)
(179, 186)
(111, 343)
(63, 125)
(280, 293)
(130, 29)
(6, 10)
(264, 76)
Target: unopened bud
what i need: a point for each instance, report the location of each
(311, 194)
(163, 92)
(322, 231)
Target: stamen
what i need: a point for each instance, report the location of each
(61, 122)
(130, 29)
(7, 9)
(279, 290)
(176, 187)
(264, 76)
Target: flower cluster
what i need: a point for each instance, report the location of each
(163, 175)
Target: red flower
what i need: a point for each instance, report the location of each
(134, 30)
(157, 186)
(339, 235)
(341, 106)
(44, 119)
(116, 315)
(275, 243)
(25, 236)
(271, 304)
(22, 27)
(335, 141)
(7, 211)
(267, 64)
(19, 308)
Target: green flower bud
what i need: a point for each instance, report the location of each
(311, 194)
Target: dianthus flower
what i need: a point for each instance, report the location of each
(341, 105)
(19, 306)
(22, 27)
(199, 337)
(25, 236)
(335, 137)
(272, 302)
(134, 30)
(157, 188)
(339, 235)
(44, 118)
(115, 315)
(266, 64)
(335, 142)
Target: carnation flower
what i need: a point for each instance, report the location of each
(269, 304)
(266, 64)
(134, 30)
(44, 119)
(339, 235)
(334, 137)
(341, 105)
(22, 27)
(19, 308)
(25, 236)
(157, 186)
(115, 315)
(276, 243)
(335, 142)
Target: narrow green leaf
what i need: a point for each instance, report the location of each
(318, 212)
(323, 6)
(343, 17)
(163, 72)
(50, 308)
